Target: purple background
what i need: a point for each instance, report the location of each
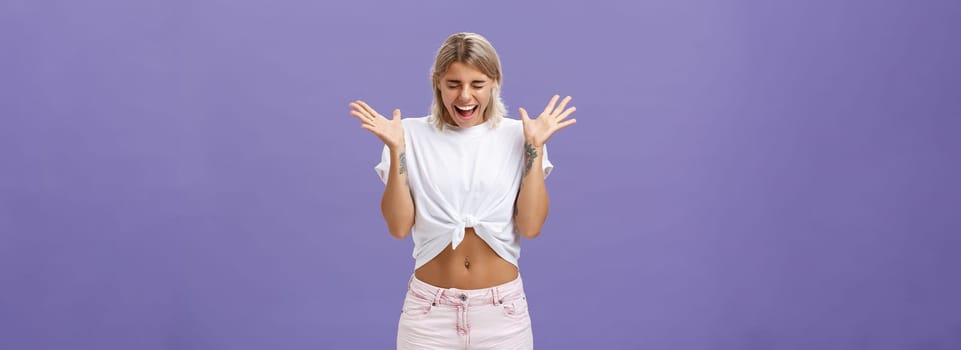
(743, 174)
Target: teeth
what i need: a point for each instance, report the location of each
(466, 108)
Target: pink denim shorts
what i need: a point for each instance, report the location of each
(450, 318)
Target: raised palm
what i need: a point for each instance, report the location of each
(391, 131)
(537, 131)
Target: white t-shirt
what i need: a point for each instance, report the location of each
(460, 178)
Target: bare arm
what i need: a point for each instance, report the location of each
(533, 202)
(397, 205)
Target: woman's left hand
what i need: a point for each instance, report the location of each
(537, 131)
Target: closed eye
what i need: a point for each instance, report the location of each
(477, 84)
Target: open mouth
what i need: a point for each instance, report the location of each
(466, 112)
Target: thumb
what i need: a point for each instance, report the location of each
(524, 116)
(397, 114)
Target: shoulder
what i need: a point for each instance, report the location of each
(513, 128)
(510, 121)
(418, 125)
(510, 125)
(416, 121)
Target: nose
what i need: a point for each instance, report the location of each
(464, 94)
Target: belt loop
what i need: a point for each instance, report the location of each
(438, 294)
(496, 294)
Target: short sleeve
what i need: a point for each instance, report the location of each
(383, 168)
(548, 166)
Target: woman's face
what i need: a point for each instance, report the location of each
(466, 94)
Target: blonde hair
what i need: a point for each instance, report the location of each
(474, 50)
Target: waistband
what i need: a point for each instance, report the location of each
(495, 295)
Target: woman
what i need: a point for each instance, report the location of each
(466, 183)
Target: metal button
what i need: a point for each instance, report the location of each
(463, 297)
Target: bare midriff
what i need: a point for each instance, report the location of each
(473, 265)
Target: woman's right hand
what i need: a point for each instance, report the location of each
(391, 131)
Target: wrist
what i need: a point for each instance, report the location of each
(398, 147)
(533, 142)
(532, 158)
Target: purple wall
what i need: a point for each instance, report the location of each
(743, 175)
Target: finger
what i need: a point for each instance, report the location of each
(566, 113)
(368, 109)
(397, 114)
(565, 124)
(364, 119)
(361, 111)
(359, 115)
(550, 105)
(561, 107)
(524, 114)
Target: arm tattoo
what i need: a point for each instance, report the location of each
(531, 154)
(403, 162)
